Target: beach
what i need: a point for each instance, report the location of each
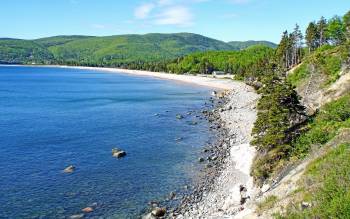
(226, 192)
(226, 185)
(220, 84)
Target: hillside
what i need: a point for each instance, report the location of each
(23, 51)
(239, 45)
(111, 50)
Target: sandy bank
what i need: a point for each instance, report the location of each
(220, 84)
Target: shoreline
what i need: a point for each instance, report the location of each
(221, 84)
(227, 186)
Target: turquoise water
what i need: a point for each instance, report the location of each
(54, 117)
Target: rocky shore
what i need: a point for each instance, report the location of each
(225, 187)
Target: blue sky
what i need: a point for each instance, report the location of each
(225, 20)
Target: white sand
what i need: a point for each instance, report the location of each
(220, 84)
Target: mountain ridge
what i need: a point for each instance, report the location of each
(113, 50)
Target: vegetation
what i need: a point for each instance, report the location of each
(13, 51)
(326, 187)
(267, 203)
(125, 51)
(240, 45)
(324, 126)
(242, 64)
(279, 132)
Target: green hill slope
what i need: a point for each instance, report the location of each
(239, 45)
(114, 50)
(110, 51)
(14, 51)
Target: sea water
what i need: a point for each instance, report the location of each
(51, 118)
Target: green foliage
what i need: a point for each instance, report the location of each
(243, 63)
(326, 124)
(299, 75)
(59, 40)
(240, 45)
(267, 203)
(326, 60)
(116, 51)
(346, 20)
(336, 30)
(327, 186)
(13, 51)
(279, 117)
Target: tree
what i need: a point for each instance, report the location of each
(336, 30)
(297, 44)
(282, 51)
(312, 36)
(346, 20)
(322, 27)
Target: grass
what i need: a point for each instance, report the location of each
(268, 203)
(327, 186)
(324, 126)
(327, 60)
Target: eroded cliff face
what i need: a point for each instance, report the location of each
(315, 94)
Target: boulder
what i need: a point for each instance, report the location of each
(69, 169)
(118, 153)
(158, 212)
(201, 159)
(265, 188)
(87, 210)
(179, 116)
(305, 205)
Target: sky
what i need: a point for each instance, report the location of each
(226, 20)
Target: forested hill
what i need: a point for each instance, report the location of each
(115, 51)
(239, 45)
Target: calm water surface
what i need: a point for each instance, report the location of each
(54, 117)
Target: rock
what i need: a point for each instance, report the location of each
(158, 212)
(193, 123)
(69, 169)
(172, 195)
(179, 139)
(77, 216)
(87, 210)
(154, 204)
(201, 159)
(305, 205)
(179, 116)
(265, 188)
(214, 158)
(214, 93)
(118, 153)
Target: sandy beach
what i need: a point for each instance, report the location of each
(220, 84)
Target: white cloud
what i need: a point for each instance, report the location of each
(175, 15)
(143, 11)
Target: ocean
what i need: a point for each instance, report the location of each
(51, 118)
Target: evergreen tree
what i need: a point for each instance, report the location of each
(336, 31)
(346, 20)
(322, 27)
(312, 36)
